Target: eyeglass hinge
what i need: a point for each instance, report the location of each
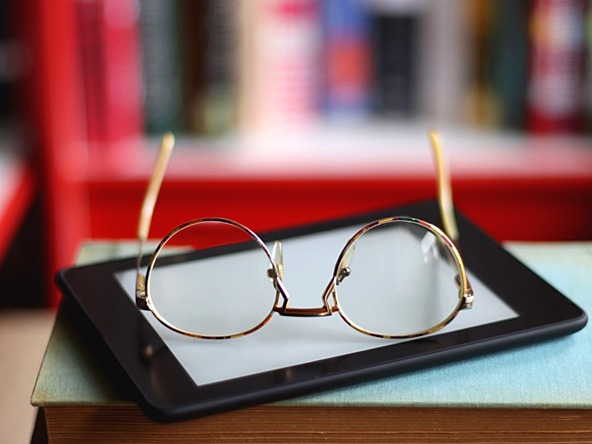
(141, 296)
(468, 299)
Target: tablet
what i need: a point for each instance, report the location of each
(177, 377)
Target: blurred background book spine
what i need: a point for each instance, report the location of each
(345, 85)
(217, 112)
(215, 68)
(444, 61)
(508, 65)
(111, 77)
(557, 58)
(161, 81)
(395, 49)
(278, 64)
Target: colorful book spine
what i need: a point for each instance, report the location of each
(217, 114)
(445, 61)
(480, 106)
(111, 70)
(160, 66)
(555, 96)
(345, 88)
(279, 65)
(91, 60)
(508, 72)
(395, 42)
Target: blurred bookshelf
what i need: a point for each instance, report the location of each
(294, 111)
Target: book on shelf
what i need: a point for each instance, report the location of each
(508, 62)
(161, 65)
(213, 108)
(278, 58)
(111, 77)
(556, 97)
(344, 90)
(478, 100)
(444, 61)
(542, 392)
(396, 48)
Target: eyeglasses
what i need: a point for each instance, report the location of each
(395, 278)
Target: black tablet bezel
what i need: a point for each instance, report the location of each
(166, 391)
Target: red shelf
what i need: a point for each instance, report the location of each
(535, 191)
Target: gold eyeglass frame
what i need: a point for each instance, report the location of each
(449, 237)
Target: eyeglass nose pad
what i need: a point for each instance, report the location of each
(276, 274)
(342, 274)
(345, 266)
(277, 253)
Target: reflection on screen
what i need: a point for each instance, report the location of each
(286, 341)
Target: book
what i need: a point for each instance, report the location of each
(480, 106)
(542, 392)
(161, 67)
(111, 75)
(219, 115)
(444, 61)
(508, 62)
(557, 57)
(278, 58)
(345, 83)
(88, 13)
(211, 101)
(395, 57)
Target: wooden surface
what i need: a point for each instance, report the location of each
(23, 338)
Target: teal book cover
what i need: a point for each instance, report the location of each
(551, 374)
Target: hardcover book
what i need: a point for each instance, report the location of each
(529, 394)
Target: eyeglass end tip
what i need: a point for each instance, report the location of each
(168, 140)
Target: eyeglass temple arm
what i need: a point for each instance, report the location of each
(447, 207)
(149, 202)
(444, 189)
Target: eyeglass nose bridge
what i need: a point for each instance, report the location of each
(282, 306)
(325, 310)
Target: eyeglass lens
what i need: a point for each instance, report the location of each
(220, 295)
(402, 280)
